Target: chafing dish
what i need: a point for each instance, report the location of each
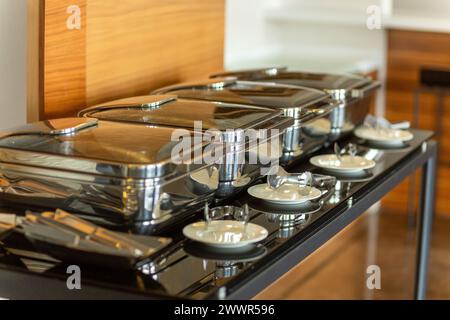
(354, 93)
(109, 171)
(305, 105)
(231, 124)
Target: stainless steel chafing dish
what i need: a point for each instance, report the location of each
(109, 171)
(354, 93)
(306, 106)
(231, 121)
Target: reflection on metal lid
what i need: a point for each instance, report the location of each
(265, 94)
(149, 102)
(109, 149)
(186, 114)
(340, 86)
(54, 127)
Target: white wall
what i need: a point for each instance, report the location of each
(245, 34)
(435, 8)
(321, 35)
(13, 44)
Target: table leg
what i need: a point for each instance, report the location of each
(425, 225)
(416, 108)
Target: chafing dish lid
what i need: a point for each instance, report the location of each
(168, 110)
(336, 84)
(95, 147)
(263, 94)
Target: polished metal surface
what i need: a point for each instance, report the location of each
(144, 102)
(354, 93)
(261, 71)
(70, 238)
(221, 122)
(54, 127)
(340, 86)
(106, 149)
(181, 113)
(292, 99)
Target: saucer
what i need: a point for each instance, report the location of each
(309, 207)
(225, 233)
(202, 251)
(388, 137)
(285, 194)
(347, 164)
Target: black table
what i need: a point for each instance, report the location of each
(186, 270)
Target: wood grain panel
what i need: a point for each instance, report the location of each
(124, 48)
(64, 60)
(408, 52)
(136, 46)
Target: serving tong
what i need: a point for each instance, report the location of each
(236, 213)
(65, 236)
(351, 150)
(80, 230)
(380, 123)
(305, 180)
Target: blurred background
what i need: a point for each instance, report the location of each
(391, 40)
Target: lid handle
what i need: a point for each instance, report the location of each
(269, 71)
(67, 126)
(56, 127)
(146, 102)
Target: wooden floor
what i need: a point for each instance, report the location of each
(382, 237)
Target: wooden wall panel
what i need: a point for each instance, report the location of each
(134, 46)
(408, 51)
(64, 59)
(124, 48)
